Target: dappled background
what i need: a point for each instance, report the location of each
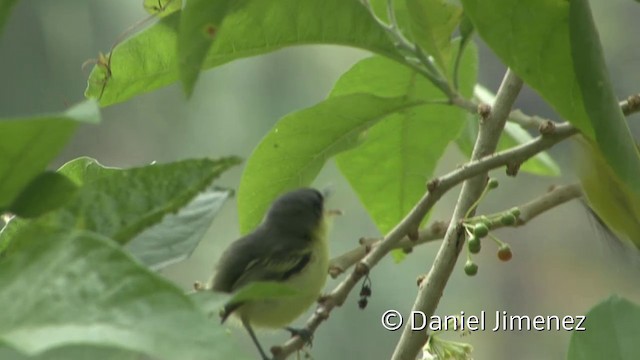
(562, 264)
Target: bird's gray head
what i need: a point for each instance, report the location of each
(299, 211)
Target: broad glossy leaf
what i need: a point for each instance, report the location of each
(148, 60)
(92, 293)
(85, 170)
(123, 203)
(532, 38)
(177, 235)
(613, 201)
(611, 332)
(46, 192)
(30, 144)
(199, 22)
(432, 22)
(611, 130)
(297, 147)
(398, 155)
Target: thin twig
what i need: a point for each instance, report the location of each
(436, 230)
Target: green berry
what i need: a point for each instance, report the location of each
(504, 253)
(493, 183)
(480, 230)
(508, 219)
(474, 245)
(515, 211)
(470, 268)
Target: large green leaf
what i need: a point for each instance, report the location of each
(177, 235)
(80, 288)
(608, 121)
(398, 154)
(85, 170)
(30, 144)
(148, 60)
(123, 203)
(532, 38)
(199, 23)
(432, 22)
(46, 192)
(611, 332)
(294, 151)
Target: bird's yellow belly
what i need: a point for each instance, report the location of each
(277, 313)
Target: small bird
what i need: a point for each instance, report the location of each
(289, 247)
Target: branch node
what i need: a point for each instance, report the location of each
(484, 111)
(420, 279)
(512, 169)
(322, 299)
(632, 104)
(362, 269)
(433, 184)
(335, 271)
(439, 227)
(548, 127)
(413, 235)
(322, 313)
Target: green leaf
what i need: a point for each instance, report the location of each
(398, 154)
(85, 170)
(5, 9)
(124, 203)
(611, 332)
(46, 192)
(30, 144)
(380, 8)
(611, 130)
(177, 235)
(297, 147)
(91, 293)
(199, 23)
(162, 8)
(542, 164)
(532, 38)
(432, 22)
(148, 60)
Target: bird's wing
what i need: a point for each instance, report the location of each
(278, 265)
